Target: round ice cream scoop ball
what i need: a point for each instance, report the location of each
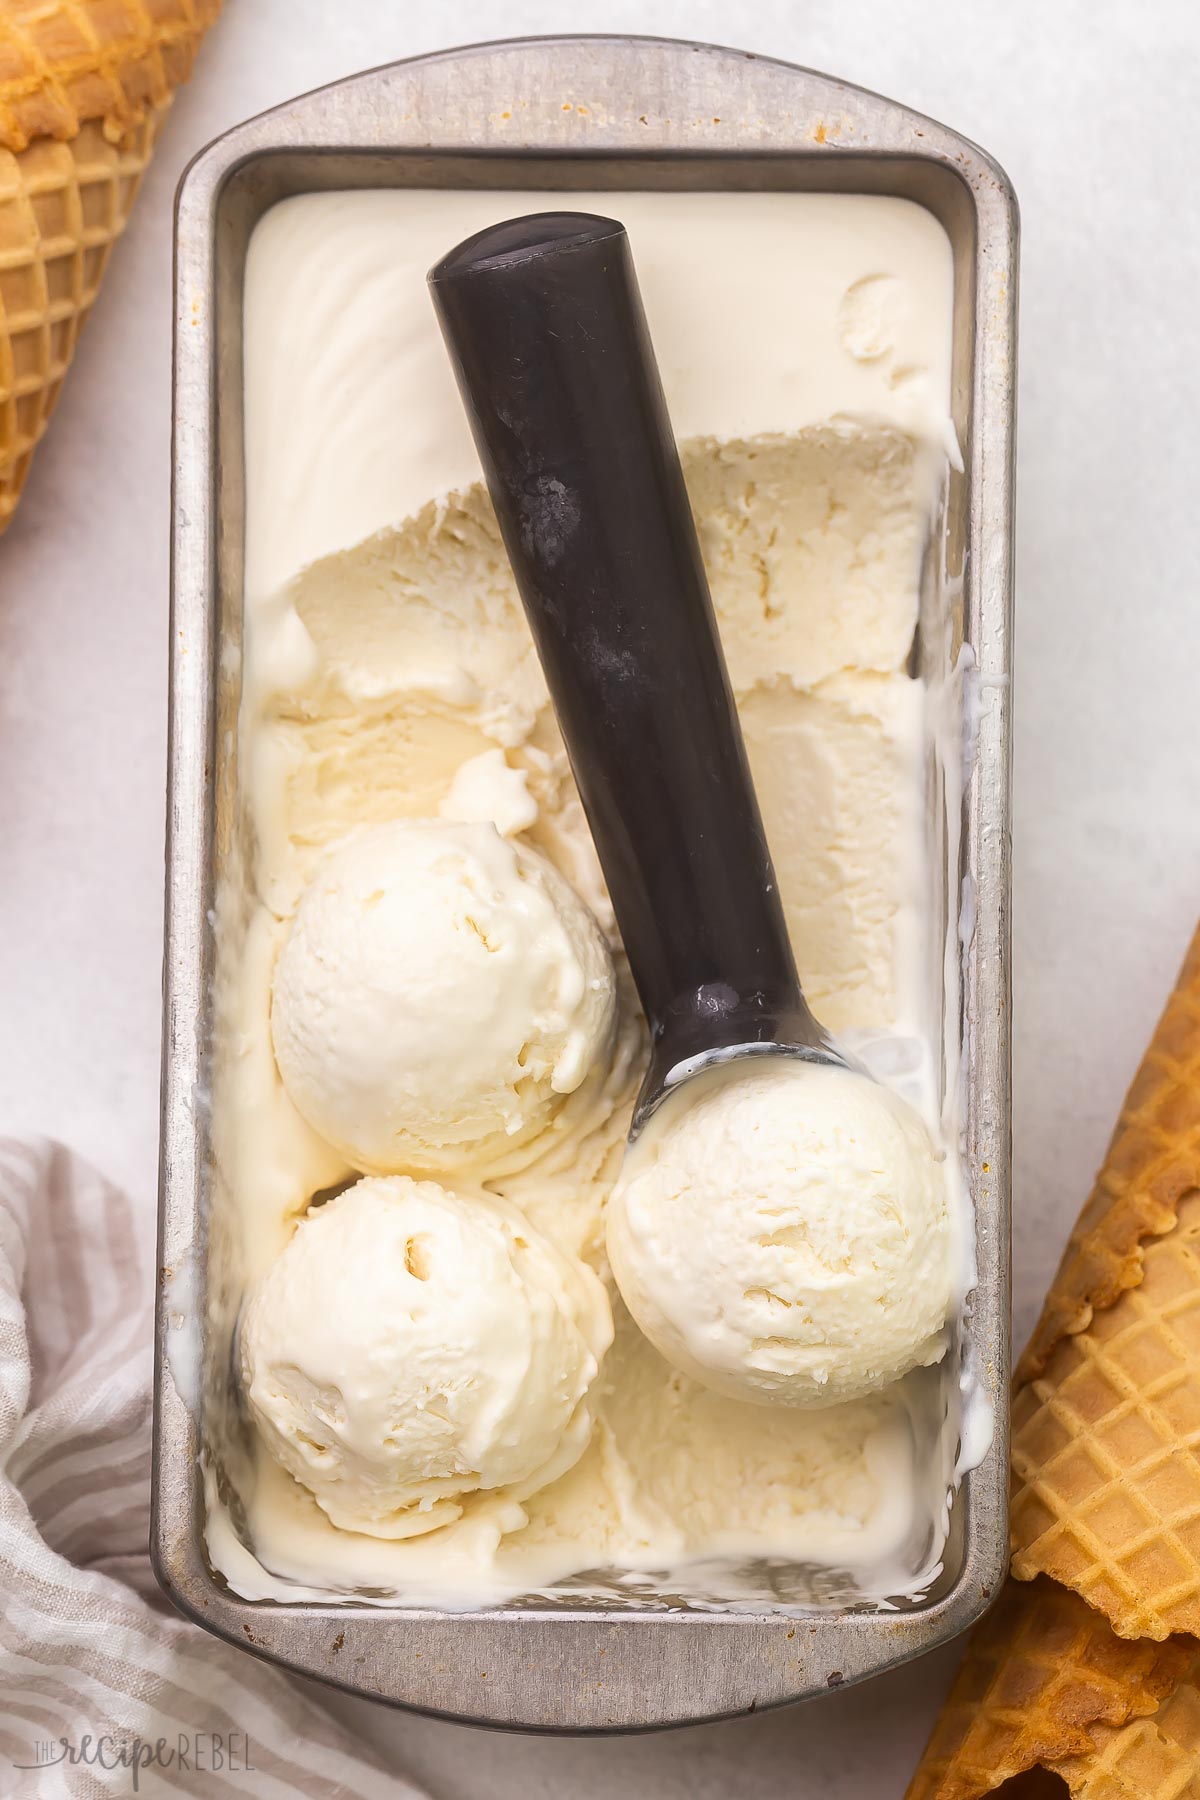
(440, 992)
(412, 1346)
(545, 328)
(780, 1231)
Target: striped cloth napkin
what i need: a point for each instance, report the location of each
(104, 1689)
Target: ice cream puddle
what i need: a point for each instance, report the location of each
(431, 1046)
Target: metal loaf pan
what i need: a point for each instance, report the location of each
(572, 113)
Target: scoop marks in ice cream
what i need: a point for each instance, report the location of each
(388, 674)
(439, 993)
(412, 1346)
(781, 1231)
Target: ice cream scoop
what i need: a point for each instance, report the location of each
(440, 992)
(411, 1347)
(828, 1279)
(545, 328)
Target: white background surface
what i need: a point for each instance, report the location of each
(1091, 107)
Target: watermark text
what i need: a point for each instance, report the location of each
(199, 1752)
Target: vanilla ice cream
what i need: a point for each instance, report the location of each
(389, 682)
(412, 1347)
(439, 992)
(782, 1231)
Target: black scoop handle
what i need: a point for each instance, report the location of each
(545, 327)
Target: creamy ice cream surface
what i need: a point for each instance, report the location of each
(781, 1230)
(461, 1363)
(411, 968)
(439, 993)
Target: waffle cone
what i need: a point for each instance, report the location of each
(84, 88)
(1044, 1684)
(1089, 1666)
(1152, 1162)
(1155, 1758)
(1106, 1412)
(1106, 1450)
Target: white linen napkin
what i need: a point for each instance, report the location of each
(104, 1689)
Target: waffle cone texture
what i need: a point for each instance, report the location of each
(1088, 1667)
(84, 88)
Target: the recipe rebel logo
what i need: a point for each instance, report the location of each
(227, 1753)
